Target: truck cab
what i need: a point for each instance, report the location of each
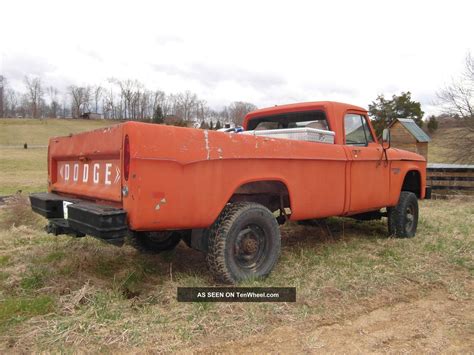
(375, 174)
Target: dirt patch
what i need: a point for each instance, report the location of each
(434, 323)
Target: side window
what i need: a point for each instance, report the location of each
(357, 130)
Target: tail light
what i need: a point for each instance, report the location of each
(126, 158)
(50, 175)
(49, 165)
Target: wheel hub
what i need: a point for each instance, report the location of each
(249, 245)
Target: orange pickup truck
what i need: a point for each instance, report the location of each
(225, 193)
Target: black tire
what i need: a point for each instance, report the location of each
(244, 242)
(155, 242)
(403, 218)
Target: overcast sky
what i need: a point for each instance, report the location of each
(264, 52)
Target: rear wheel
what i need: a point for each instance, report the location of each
(403, 218)
(155, 242)
(244, 243)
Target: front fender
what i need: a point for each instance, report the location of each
(398, 172)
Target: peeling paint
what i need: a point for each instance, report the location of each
(163, 200)
(219, 152)
(157, 207)
(206, 140)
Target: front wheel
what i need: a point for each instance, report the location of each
(244, 243)
(403, 218)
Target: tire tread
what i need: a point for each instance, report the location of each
(396, 215)
(217, 238)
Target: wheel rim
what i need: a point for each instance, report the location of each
(249, 247)
(410, 218)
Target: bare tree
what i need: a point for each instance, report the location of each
(11, 102)
(34, 94)
(457, 99)
(202, 110)
(2, 93)
(97, 92)
(65, 107)
(108, 104)
(130, 94)
(170, 105)
(9, 99)
(186, 104)
(237, 111)
(80, 99)
(158, 98)
(173, 104)
(52, 93)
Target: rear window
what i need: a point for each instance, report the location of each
(311, 119)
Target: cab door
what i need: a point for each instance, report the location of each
(368, 169)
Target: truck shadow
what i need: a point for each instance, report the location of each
(311, 234)
(135, 274)
(331, 230)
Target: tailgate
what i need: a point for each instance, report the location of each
(87, 164)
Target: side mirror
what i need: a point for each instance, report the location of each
(386, 138)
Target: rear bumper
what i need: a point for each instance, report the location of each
(101, 221)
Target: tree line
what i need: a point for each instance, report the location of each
(131, 100)
(117, 99)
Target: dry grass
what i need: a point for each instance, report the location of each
(16, 132)
(17, 212)
(445, 142)
(64, 294)
(25, 169)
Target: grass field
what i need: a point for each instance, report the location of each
(64, 294)
(25, 169)
(440, 150)
(16, 132)
(357, 290)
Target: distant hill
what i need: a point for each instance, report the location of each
(26, 169)
(17, 131)
(441, 148)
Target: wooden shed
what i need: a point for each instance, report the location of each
(406, 134)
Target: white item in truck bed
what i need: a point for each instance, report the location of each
(299, 134)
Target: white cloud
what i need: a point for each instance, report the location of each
(265, 52)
